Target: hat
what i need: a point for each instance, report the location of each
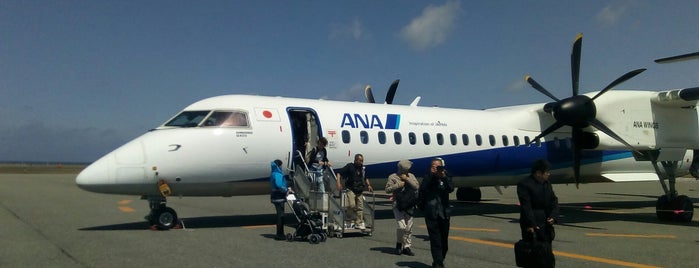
(404, 165)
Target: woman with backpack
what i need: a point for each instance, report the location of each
(404, 186)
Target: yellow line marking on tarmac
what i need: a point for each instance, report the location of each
(557, 253)
(123, 206)
(126, 209)
(631, 235)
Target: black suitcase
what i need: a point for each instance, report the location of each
(533, 253)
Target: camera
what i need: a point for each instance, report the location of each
(440, 168)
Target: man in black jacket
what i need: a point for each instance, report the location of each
(538, 206)
(434, 201)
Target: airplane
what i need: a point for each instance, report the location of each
(223, 145)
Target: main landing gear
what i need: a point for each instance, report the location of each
(161, 217)
(469, 194)
(671, 206)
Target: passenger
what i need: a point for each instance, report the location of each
(434, 200)
(317, 161)
(355, 182)
(397, 183)
(278, 195)
(538, 209)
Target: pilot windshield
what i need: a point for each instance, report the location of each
(214, 119)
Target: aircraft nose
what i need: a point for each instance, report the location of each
(95, 175)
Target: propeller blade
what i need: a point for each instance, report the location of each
(575, 63)
(577, 155)
(547, 131)
(539, 88)
(683, 57)
(599, 125)
(392, 91)
(619, 80)
(369, 96)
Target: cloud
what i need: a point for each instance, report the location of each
(353, 30)
(432, 27)
(611, 14)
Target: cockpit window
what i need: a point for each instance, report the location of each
(227, 119)
(210, 119)
(187, 119)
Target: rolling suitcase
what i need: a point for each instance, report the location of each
(533, 253)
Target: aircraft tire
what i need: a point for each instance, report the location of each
(685, 208)
(469, 194)
(164, 218)
(680, 209)
(662, 207)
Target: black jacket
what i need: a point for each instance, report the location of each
(434, 196)
(537, 203)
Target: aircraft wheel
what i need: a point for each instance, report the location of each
(164, 218)
(684, 209)
(679, 209)
(662, 208)
(468, 194)
(289, 237)
(314, 239)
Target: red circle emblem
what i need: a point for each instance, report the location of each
(267, 114)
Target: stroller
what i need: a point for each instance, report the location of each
(310, 223)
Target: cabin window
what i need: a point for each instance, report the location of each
(226, 119)
(412, 138)
(426, 138)
(440, 139)
(382, 137)
(491, 139)
(505, 141)
(464, 138)
(346, 136)
(397, 137)
(187, 119)
(516, 140)
(479, 140)
(364, 137)
(452, 137)
(527, 140)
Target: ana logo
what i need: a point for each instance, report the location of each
(370, 121)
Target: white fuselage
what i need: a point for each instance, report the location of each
(480, 147)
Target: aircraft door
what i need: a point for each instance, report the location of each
(305, 132)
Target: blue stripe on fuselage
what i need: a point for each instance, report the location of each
(511, 160)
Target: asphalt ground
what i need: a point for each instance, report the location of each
(46, 221)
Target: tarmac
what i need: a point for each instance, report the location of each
(47, 221)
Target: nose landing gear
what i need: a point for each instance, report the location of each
(161, 217)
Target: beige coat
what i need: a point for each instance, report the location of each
(395, 183)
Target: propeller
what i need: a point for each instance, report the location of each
(369, 96)
(689, 56)
(578, 111)
(389, 95)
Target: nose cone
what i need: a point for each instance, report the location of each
(95, 176)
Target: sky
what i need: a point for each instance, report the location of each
(80, 78)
